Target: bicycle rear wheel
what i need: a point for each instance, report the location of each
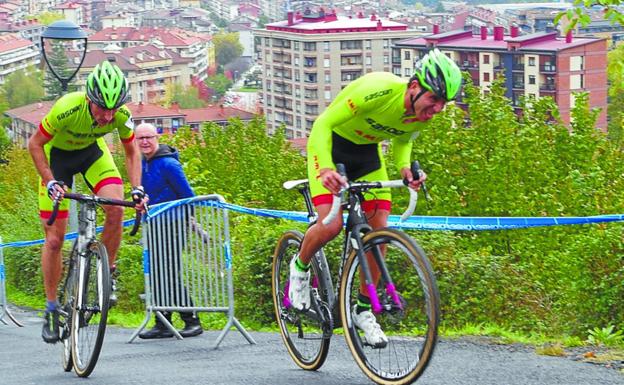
(91, 310)
(305, 335)
(66, 299)
(411, 328)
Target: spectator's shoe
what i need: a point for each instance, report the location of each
(157, 331)
(373, 335)
(191, 329)
(113, 293)
(299, 287)
(50, 331)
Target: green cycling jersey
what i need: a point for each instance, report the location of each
(70, 125)
(369, 110)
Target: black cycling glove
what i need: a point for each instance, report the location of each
(137, 194)
(53, 192)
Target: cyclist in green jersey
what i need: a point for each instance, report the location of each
(376, 107)
(70, 140)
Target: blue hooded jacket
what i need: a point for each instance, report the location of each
(163, 177)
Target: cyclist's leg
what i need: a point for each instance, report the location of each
(103, 178)
(51, 260)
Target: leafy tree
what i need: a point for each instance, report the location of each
(58, 60)
(578, 13)
(227, 47)
(219, 84)
(23, 87)
(47, 18)
(186, 97)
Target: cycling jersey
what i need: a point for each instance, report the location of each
(70, 125)
(77, 146)
(368, 111)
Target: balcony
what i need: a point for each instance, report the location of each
(548, 68)
(469, 65)
(518, 85)
(518, 67)
(547, 88)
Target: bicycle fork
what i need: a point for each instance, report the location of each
(356, 243)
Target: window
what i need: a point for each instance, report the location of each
(531, 61)
(309, 46)
(326, 63)
(576, 63)
(296, 61)
(327, 78)
(369, 60)
(486, 59)
(407, 55)
(296, 45)
(326, 45)
(486, 76)
(327, 95)
(386, 59)
(386, 43)
(531, 79)
(408, 72)
(367, 44)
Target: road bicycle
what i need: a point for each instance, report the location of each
(84, 295)
(406, 303)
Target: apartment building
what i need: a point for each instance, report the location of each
(308, 58)
(26, 29)
(197, 47)
(148, 68)
(71, 11)
(16, 53)
(535, 65)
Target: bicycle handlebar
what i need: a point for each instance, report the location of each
(359, 186)
(97, 200)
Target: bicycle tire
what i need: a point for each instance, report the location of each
(407, 354)
(66, 299)
(89, 317)
(305, 336)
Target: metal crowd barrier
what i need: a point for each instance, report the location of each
(187, 262)
(4, 309)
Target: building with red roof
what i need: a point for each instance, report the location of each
(16, 54)
(195, 117)
(192, 45)
(26, 29)
(148, 68)
(25, 120)
(535, 65)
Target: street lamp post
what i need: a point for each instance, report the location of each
(64, 30)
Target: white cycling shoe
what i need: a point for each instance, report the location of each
(299, 287)
(373, 335)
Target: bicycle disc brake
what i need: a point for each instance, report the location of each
(322, 310)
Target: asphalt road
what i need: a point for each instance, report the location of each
(25, 359)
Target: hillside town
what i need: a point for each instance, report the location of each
(297, 55)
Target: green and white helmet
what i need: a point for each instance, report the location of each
(437, 73)
(107, 86)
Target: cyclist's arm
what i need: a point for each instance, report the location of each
(35, 147)
(133, 161)
(402, 150)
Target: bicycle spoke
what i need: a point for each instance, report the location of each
(89, 316)
(302, 332)
(411, 326)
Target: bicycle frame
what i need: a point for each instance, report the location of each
(356, 227)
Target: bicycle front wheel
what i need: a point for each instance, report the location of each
(90, 309)
(305, 334)
(411, 327)
(66, 299)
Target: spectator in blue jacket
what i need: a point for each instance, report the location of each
(163, 180)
